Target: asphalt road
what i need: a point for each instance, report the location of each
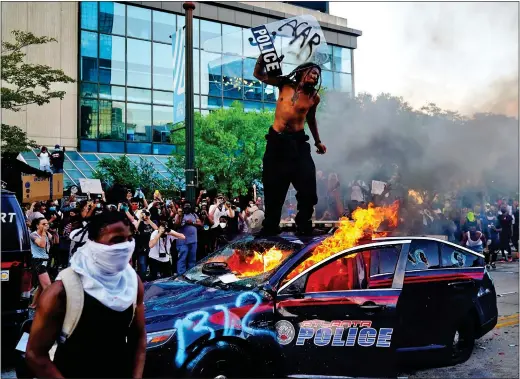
(495, 354)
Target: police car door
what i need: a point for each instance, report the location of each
(341, 311)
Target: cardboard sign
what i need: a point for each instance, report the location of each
(39, 189)
(90, 185)
(378, 187)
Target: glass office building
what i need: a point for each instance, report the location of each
(125, 76)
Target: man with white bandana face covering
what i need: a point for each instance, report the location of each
(109, 340)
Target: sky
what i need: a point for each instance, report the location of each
(460, 56)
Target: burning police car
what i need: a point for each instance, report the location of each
(284, 306)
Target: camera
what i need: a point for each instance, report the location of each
(146, 213)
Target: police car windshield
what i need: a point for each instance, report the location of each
(246, 262)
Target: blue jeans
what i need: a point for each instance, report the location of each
(187, 257)
(46, 168)
(143, 260)
(57, 170)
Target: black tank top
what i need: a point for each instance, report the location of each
(98, 347)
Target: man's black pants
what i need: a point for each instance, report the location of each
(287, 160)
(504, 244)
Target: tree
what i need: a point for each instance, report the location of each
(124, 172)
(229, 146)
(25, 84)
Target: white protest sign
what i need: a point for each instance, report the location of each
(299, 39)
(378, 187)
(90, 186)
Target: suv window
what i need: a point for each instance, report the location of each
(452, 258)
(423, 255)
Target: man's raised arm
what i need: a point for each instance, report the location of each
(261, 74)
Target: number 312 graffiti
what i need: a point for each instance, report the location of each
(198, 322)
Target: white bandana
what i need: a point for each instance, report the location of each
(106, 274)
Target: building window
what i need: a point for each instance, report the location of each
(138, 95)
(139, 22)
(252, 86)
(326, 80)
(164, 25)
(232, 39)
(211, 31)
(162, 123)
(343, 82)
(112, 18)
(111, 59)
(112, 93)
(126, 75)
(342, 59)
(162, 67)
(89, 15)
(89, 118)
(139, 63)
(138, 122)
(163, 98)
(111, 120)
(211, 74)
(232, 77)
(89, 62)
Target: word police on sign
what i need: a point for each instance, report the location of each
(266, 46)
(335, 333)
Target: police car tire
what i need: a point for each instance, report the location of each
(466, 330)
(220, 359)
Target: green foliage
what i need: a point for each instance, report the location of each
(229, 146)
(28, 83)
(24, 84)
(14, 140)
(134, 175)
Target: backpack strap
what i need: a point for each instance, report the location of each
(134, 304)
(75, 301)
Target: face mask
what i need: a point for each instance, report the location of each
(52, 209)
(73, 204)
(111, 259)
(223, 225)
(98, 205)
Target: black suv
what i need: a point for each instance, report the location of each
(16, 273)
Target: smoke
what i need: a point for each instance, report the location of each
(434, 150)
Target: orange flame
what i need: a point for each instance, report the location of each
(252, 263)
(416, 196)
(365, 223)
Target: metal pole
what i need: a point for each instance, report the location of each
(190, 134)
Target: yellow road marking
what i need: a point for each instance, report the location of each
(510, 323)
(510, 317)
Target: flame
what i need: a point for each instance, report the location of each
(416, 196)
(252, 263)
(365, 223)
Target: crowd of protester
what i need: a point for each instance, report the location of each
(479, 222)
(172, 234)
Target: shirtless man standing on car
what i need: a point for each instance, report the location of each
(287, 157)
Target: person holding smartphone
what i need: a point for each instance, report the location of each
(160, 246)
(145, 228)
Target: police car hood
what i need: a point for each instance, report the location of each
(167, 300)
